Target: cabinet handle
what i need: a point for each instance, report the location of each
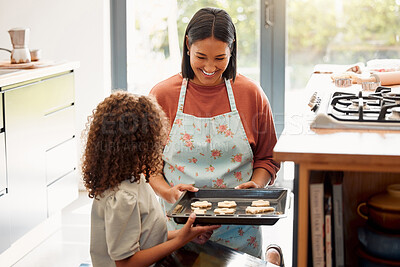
(32, 83)
(22, 86)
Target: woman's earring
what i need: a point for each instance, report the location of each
(187, 52)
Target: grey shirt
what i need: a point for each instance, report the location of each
(124, 222)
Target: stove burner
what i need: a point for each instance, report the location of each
(380, 106)
(395, 114)
(392, 96)
(356, 104)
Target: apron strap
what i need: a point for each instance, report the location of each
(230, 95)
(182, 95)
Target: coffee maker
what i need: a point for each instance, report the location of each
(20, 40)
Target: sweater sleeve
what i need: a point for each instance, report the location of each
(257, 118)
(265, 134)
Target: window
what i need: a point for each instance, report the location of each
(335, 32)
(155, 38)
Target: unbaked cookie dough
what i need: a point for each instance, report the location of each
(256, 210)
(226, 204)
(199, 211)
(224, 211)
(260, 203)
(201, 204)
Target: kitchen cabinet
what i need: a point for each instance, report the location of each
(4, 198)
(369, 160)
(40, 148)
(3, 177)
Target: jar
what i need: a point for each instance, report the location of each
(383, 209)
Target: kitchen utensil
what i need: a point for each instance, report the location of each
(366, 260)
(20, 40)
(370, 86)
(278, 198)
(343, 82)
(381, 244)
(383, 209)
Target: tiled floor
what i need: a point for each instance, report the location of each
(69, 246)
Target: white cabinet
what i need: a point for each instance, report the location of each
(40, 149)
(4, 199)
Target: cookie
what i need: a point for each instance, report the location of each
(201, 204)
(256, 210)
(224, 211)
(260, 203)
(226, 204)
(199, 211)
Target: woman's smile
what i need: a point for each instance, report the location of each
(207, 73)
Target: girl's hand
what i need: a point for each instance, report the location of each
(203, 238)
(176, 191)
(195, 233)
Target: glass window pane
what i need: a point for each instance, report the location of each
(155, 38)
(336, 32)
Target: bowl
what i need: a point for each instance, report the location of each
(366, 260)
(384, 245)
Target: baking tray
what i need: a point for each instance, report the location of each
(278, 198)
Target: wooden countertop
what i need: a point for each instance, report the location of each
(21, 75)
(329, 146)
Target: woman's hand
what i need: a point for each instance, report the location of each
(173, 193)
(198, 234)
(260, 179)
(249, 184)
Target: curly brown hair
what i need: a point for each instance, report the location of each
(125, 137)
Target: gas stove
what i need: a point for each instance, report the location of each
(357, 110)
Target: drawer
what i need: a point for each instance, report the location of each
(59, 126)
(3, 176)
(60, 160)
(1, 112)
(59, 92)
(62, 192)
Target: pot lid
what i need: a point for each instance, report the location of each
(390, 200)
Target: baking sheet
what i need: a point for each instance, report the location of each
(278, 198)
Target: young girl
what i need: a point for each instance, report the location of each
(125, 137)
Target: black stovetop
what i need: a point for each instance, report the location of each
(375, 107)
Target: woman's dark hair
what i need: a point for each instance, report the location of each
(125, 137)
(210, 22)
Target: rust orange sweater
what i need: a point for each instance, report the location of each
(209, 101)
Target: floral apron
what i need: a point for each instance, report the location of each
(212, 153)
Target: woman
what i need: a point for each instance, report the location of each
(222, 131)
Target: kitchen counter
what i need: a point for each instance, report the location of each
(327, 146)
(13, 76)
(369, 160)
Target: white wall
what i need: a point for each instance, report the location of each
(73, 30)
